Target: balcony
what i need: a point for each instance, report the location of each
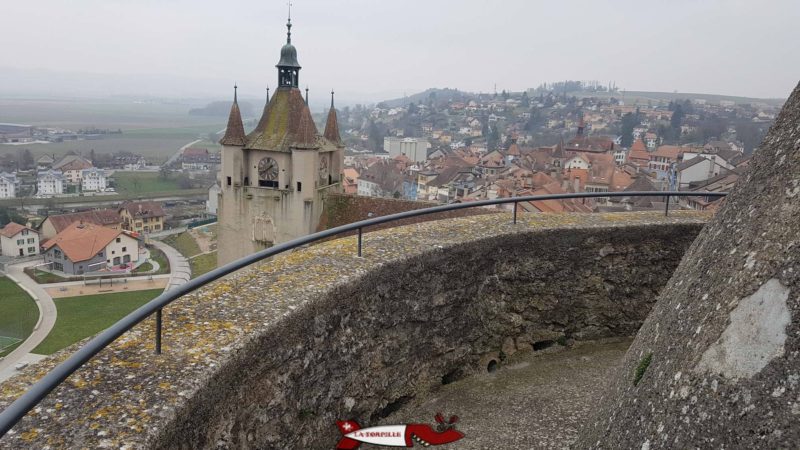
(274, 354)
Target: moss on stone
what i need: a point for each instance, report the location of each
(644, 363)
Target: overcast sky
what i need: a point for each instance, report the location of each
(369, 48)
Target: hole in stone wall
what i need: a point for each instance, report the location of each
(541, 345)
(452, 376)
(492, 366)
(390, 408)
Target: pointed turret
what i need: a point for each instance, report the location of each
(332, 125)
(234, 133)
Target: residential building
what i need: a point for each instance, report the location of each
(72, 166)
(93, 180)
(414, 148)
(8, 185)
(18, 240)
(195, 158)
(142, 217)
(350, 180)
(86, 247)
(212, 204)
(52, 225)
(49, 182)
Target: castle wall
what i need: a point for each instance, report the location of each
(271, 356)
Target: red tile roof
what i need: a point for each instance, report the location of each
(82, 241)
(12, 229)
(104, 217)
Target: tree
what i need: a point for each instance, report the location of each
(412, 108)
(375, 136)
(25, 159)
(525, 101)
(677, 117)
(493, 139)
(9, 215)
(629, 122)
(163, 172)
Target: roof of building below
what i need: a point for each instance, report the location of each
(82, 241)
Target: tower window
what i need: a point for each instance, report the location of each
(229, 181)
(299, 186)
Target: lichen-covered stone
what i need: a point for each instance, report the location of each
(271, 356)
(725, 333)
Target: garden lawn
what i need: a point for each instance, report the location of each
(203, 263)
(87, 315)
(184, 243)
(159, 257)
(18, 313)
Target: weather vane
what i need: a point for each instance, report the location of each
(290, 9)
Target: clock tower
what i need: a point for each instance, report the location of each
(275, 178)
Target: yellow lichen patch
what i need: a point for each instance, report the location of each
(165, 385)
(122, 363)
(29, 435)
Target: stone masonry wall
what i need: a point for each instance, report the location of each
(272, 355)
(369, 345)
(717, 363)
(342, 209)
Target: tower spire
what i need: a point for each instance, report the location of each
(289, 26)
(306, 95)
(332, 125)
(331, 98)
(267, 93)
(234, 132)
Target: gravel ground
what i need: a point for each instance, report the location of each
(535, 401)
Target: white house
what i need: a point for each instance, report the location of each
(85, 247)
(213, 198)
(93, 179)
(577, 162)
(49, 182)
(695, 169)
(18, 240)
(8, 185)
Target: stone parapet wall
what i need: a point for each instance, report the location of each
(342, 209)
(271, 356)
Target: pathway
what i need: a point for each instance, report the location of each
(47, 316)
(180, 271)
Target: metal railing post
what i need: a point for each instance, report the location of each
(359, 242)
(515, 213)
(158, 331)
(666, 210)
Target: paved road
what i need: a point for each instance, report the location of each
(180, 271)
(177, 155)
(47, 315)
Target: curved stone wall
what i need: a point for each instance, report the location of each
(272, 356)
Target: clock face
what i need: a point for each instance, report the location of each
(323, 166)
(268, 169)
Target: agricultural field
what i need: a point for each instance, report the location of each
(84, 316)
(143, 182)
(152, 129)
(19, 315)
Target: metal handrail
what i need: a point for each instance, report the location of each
(14, 412)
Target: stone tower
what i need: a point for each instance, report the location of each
(275, 178)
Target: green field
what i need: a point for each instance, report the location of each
(153, 129)
(19, 315)
(203, 263)
(159, 257)
(184, 243)
(81, 317)
(143, 182)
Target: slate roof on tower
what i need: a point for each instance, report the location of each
(234, 132)
(332, 125)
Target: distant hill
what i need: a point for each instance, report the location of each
(455, 95)
(222, 109)
(437, 95)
